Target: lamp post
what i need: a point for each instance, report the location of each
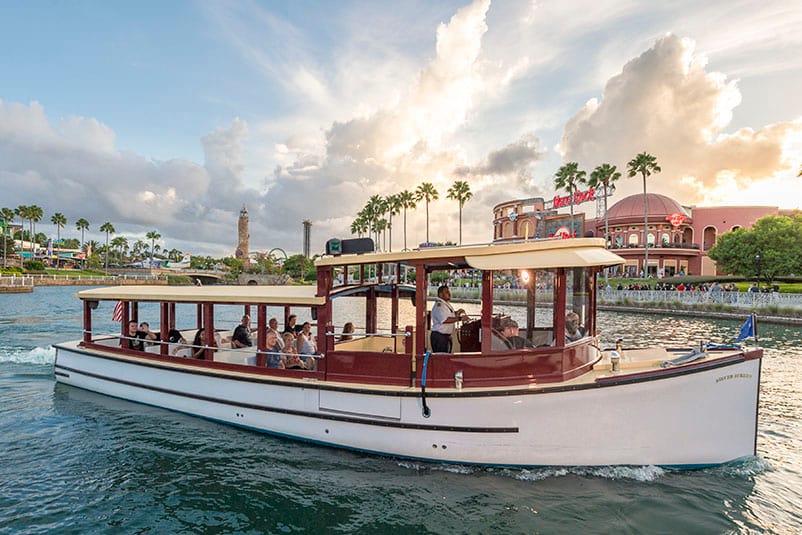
(757, 259)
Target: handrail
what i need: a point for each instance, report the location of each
(366, 334)
(249, 350)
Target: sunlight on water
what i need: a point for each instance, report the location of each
(37, 355)
(83, 462)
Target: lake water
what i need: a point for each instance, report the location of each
(77, 462)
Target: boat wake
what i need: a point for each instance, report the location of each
(37, 355)
(644, 474)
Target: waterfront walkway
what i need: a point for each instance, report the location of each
(770, 307)
(30, 281)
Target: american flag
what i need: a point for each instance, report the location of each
(118, 312)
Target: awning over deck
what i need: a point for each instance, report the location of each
(556, 258)
(548, 253)
(248, 295)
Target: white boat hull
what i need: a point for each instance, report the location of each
(702, 416)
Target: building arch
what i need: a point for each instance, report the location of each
(709, 237)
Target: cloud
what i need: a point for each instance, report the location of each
(666, 103)
(515, 159)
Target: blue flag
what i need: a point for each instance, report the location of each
(747, 329)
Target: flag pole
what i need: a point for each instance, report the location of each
(754, 327)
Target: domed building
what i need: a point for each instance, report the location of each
(678, 236)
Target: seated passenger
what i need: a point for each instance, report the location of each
(291, 359)
(175, 337)
(274, 359)
(272, 324)
(145, 333)
(132, 341)
(242, 334)
(508, 337)
(573, 331)
(515, 340)
(199, 348)
(347, 334)
(306, 341)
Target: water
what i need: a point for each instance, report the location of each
(77, 462)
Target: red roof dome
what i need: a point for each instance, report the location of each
(631, 208)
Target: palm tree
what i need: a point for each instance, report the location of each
(408, 200)
(645, 164)
(460, 191)
(360, 225)
(118, 243)
(426, 191)
(59, 220)
(7, 215)
(153, 235)
(82, 225)
(33, 214)
(22, 212)
(393, 208)
(92, 246)
(569, 177)
(108, 228)
(605, 176)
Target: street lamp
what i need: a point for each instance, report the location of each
(757, 258)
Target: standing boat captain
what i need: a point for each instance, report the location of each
(443, 319)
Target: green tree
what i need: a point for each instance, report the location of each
(770, 249)
(82, 225)
(393, 208)
(297, 266)
(569, 177)
(120, 243)
(427, 192)
(108, 228)
(408, 201)
(153, 235)
(7, 215)
(21, 211)
(35, 214)
(59, 220)
(644, 164)
(360, 225)
(604, 176)
(460, 191)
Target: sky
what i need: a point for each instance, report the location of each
(172, 116)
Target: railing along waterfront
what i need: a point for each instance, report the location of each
(16, 281)
(63, 276)
(745, 300)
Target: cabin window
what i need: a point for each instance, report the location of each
(577, 303)
(523, 311)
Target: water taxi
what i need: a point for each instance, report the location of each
(540, 391)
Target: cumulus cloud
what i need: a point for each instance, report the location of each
(515, 159)
(73, 167)
(666, 103)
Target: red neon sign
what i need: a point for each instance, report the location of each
(579, 198)
(676, 219)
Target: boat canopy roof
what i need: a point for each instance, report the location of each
(252, 295)
(533, 254)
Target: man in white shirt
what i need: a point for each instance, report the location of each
(443, 319)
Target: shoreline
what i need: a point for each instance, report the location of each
(688, 312)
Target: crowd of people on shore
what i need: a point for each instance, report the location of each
(690, 287)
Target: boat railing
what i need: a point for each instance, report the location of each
(367, 335)
(241, 355)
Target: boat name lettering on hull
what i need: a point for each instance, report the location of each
(734, 376)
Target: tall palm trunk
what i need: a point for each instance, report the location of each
(645, 230)
(460, 223)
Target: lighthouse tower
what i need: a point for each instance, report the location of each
(243, 236)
